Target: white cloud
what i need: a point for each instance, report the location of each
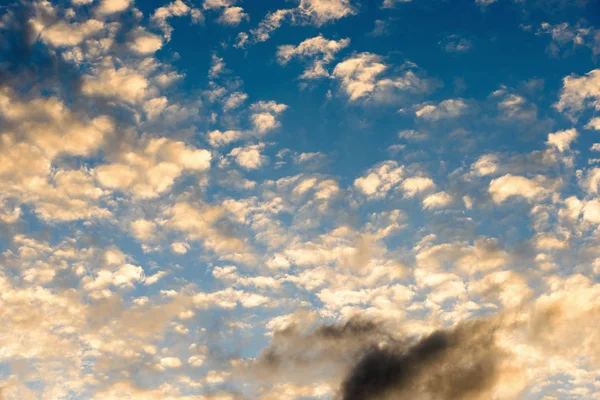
(232, 16)
(264, 116)
(176, 8)
(379, 180)
(108, 7)
(562, 139)
(591, 211)
(485, 165)
(594, 124)
(450, 108)
(249, 157)
(456, 44)
(580, 92)
(418, 184)
(511, 186)
(361, 78)
(393, 3)
(63, 34)
(180, 247)
(234, 100)
(154, 168)
(321, 50)
(217, 67)
(123, 83)
(143, 42)
(217, 138)
(437, 200)
(170, 362)
(142, 229)
(308, 12)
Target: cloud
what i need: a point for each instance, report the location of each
(233, 16)
(393, 3)
(143, 42)
(308, 12)
(249, 157)
(108, 7)
(264, 116)
(323, 52)
(123, 83)
(418, 184)
(217, 138)
(593, 124)
(361, 77)
(63, 34)
(437, 200)
(450, 108)
(580, 92)
(381, 179)
(153, 169)
(445, 364)
(562, 139)
(235, 100)
(566, 38)
(176, 8)
(456, 44)
(515, 186)
(142, 229)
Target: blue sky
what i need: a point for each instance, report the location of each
(218, 199)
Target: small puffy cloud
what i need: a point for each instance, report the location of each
(144, 42)
(393, 3)
(217, 67)
(234, 100)
(232, 16)
(123, 83)
(126, 276)
(561, 140)
(566, 36)
(590, 181)
(180, 247)
(278, 261)
(176, 8)
(437, 200)
(196, 361)
(217, 138)
(249, 157)
(450, 108)
(264, 116)
(321, 50)
(153, 169)
(361, 77)
(594, 124)
(591, 211)
(108, 7)
(511, 186)
(199, 222)
(319, 12)
(170, 362)
(379, 180)
(515, 107)
(485, 165)
(308, 12)
(418, 184)
(142, 229)
(456, 44)
(63, 34)
(580, 92)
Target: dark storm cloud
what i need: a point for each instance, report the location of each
(371, 362)
(448, 364)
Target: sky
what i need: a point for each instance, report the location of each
(300, 199)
